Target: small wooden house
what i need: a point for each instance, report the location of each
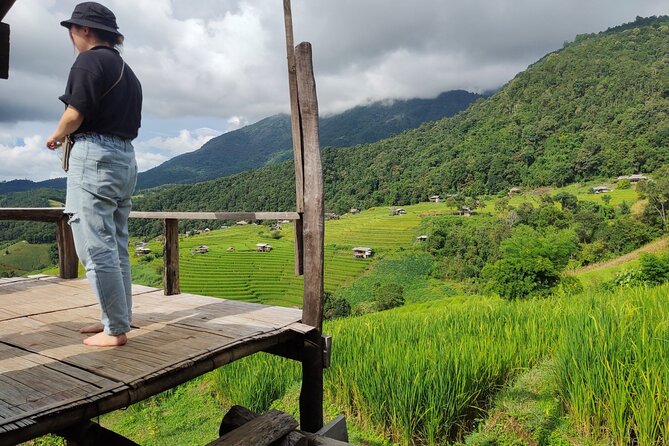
(354, 211)
(637, 177)
(362, 252)
(515, 191)
(202, 249)
(397, 211)
(142, 250)
(601, 189)
(466, 211)
(421, 238)
(263, 247)
(435, 198)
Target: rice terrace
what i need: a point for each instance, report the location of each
(487, 267)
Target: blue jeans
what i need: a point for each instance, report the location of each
(100, 182)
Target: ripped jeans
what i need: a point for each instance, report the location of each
(100, 182)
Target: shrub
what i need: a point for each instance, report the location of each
(654, 269)
(624, 184)
(388, 296)
(335, 306)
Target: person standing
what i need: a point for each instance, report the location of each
(103, 102)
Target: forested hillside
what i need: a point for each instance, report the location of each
(269, 141)
(596, 108)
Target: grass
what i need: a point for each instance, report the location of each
(592, 276)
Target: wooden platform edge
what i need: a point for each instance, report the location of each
(80, 409)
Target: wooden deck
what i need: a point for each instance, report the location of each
(49, 380)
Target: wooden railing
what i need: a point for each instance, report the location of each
(68, 263)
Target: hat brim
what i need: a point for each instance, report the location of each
(90, 24)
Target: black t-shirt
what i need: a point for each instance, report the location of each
(119, 111)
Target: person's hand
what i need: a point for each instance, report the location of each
(52, 142)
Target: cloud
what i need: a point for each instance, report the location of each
(29, 159)
(156, 150)
(222, 63)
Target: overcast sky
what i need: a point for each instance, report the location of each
(211, 66)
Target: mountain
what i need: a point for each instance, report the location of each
(12, 186)
(269, 141)
(596, 108)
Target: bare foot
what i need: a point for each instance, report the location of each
(93, 328)
(105, 340)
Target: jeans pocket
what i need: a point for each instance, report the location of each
(111, 179)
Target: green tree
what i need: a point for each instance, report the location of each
(388, 295)
(531, 263)
(657, 194)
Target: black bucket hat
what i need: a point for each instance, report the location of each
(93, 15)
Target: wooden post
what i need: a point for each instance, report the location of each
(68, 262)
(297, 135)
(171, 257)
(311, 396)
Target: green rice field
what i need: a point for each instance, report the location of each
(234, 269)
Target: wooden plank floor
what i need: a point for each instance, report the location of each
(49, 379)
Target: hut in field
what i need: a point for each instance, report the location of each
(142, 250)
(515, 191)
(362, 252)
(397, 211)
(637, 177)
(354, 211)
(466, 211)
(601, 189)
(435, 198)
(263, 247)
(421, 238)
(202, 249)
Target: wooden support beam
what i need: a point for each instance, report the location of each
(296, 129)
(311, 395)
(68, 262)
(261, 431)
(171, 257)
(92, 434)
(314, 223)
(335, 429)
(237, 416)
(217, 215)
(294, 105)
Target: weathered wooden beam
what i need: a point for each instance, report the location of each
(217, 215)
(314, 222)
(92, 434)
(237, 416)
(335, 429)
(68, 262)
(296, 130)
(294, 105)
(311, 395)
(32, 214)
(171, 257)
(261, 431)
